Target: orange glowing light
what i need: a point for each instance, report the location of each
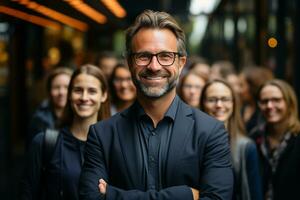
(88, 11)
(115, 7)
(77, 24)
(272, 42)
(30, 18)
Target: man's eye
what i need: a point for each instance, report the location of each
(165, 55)
(143, 56)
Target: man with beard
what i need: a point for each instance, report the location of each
(159, 148)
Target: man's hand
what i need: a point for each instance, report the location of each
(102, 186)
(195, 193)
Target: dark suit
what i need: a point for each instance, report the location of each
(198, 157)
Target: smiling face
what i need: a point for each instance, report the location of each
(218, 101)
(272, 104)
(123, 85)
(155, 80)
(86, 97)
(191, 89)
(59, 90)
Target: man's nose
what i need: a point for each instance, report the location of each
(154, 64)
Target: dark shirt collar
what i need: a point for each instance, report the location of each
(171, 112)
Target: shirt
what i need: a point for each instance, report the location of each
(154, 143)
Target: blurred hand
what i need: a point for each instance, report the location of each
(102, 186)
(195, 193)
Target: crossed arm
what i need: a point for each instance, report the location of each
(216, 182)
(102, 189)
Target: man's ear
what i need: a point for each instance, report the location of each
(182, 61)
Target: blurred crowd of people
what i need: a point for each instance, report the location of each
(259, 112)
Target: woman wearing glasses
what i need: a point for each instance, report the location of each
(219, 100)
(123, 91)
(278, 140)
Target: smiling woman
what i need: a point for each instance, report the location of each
(279, 140)
(87, 103)
(49, 113)
(122, 89)
(219, 100)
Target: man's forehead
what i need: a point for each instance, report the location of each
(147, 37)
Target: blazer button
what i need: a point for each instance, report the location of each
(152, 159)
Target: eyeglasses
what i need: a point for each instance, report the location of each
(215, 100)
(274, 100)
(164, 58)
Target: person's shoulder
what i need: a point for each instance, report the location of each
(247, 144)
(110, 122)
(250, 145)
(258, 131)
(43, 114)
(203, 118)
(245, 139)
(203, 123)
(37, 141)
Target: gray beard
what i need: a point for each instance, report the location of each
(154, 92)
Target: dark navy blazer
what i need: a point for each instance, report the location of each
(198, 157)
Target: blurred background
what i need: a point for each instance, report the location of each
(37, 35)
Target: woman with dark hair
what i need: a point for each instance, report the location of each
(219, 100)
(278, 140)
(123, 91)
(50, 111)
(87, 103)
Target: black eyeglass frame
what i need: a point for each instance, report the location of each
(132, 56)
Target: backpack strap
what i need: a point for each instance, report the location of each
(50, 139)
(49, 142)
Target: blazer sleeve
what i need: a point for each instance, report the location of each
(29, 184)
(217, 180)
(95, 167)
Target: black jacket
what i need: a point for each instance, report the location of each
(42, 119)
(62, 174)
(286, 179)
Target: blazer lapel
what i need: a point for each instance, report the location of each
(182, 129)
(129, 142)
